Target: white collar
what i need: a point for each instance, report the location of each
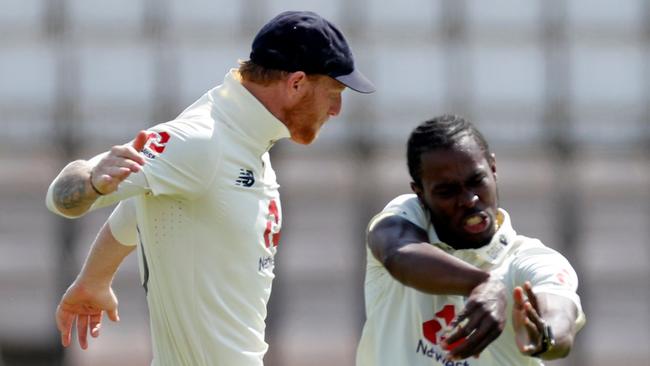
(245, 113)
(492, 253)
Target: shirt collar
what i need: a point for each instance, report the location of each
(492, 253)
(245, 113)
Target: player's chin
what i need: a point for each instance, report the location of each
(482, 241)
(305, 137)
(473, 241)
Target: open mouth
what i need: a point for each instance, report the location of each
(476, 223)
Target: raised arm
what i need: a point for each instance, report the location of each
(403, 249)
(81, 182)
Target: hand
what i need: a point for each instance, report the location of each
(528, 324)
(118, 164)
(481, 321)
(85, 305)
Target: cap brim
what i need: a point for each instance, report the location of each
(357, 82)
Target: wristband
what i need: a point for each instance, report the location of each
(93, 186)
(548, 341)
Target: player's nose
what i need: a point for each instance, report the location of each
(468, 199)
(335, 108)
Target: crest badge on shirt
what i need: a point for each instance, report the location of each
(563, 278)
(434, 331)
(156, 143)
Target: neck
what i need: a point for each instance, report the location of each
(270, 96)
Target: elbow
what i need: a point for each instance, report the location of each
(68, 214)
(404, 270)
(567, 328)
(394, 266)
(565, 346)
(57, 207)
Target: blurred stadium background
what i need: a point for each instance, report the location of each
(561, 89)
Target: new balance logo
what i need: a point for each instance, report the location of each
(245, 178)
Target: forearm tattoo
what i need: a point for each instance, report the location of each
(71, 191)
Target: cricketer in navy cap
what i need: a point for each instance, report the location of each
(305, 41)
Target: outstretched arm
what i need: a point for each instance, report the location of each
(91, 294)
(403, 249)
(532, 312)
(81, 183)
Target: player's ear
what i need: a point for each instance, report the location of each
(296, 84)
(417, 189)
(493, 165)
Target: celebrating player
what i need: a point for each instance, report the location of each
(446, 270)
(200, 199)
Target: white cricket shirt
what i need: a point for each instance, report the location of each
(404, 326)
(208, 218)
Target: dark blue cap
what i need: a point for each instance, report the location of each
(305, 41)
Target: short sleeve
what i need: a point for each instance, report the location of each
(405, 206)
(408, 207)
(123, 223)
(181, 158)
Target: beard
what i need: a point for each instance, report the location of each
(461, 241)
(303, 119)
(456, 237)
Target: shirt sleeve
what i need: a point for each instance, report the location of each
(549, 272)
(408, 207)
(123, 223)
(405, 206)
(180, 159)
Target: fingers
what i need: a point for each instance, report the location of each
(464, 324)
(113, 315)
(518, 297)
(107, 184)
(126, 152)
(529, 293)
(472, 338)
(118, 164)
(533, 316)
(527, 322)
(527, 303)
(126, 164)
(519, 300)
(530, 323)
(527, 349)
(95, 324)
(140, 140)
(461, 326)
(474, 345)
(458, 334)
(109, 174)
(82, 330)
(531, 343)
(481, 321)
(64, 321)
